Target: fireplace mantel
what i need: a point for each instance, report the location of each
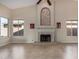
(45, 27)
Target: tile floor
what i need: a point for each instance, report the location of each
(39, 51)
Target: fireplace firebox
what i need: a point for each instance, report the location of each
(45, 38)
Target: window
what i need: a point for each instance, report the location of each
(3, 26)
(18, 27)
(72, 27)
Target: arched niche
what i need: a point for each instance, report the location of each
(45, 17)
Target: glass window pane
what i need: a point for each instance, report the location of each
(21, 28)
(74, 32)
(15, 28)
(4, 26)
(68, 22)
(74, 21)
(18, 27)
(68, 31)
(68, 26)
(74, 26)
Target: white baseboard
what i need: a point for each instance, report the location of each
(3, 44)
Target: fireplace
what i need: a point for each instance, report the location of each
(45, 38)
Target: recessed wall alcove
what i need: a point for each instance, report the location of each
(45, 17)
(45, 14)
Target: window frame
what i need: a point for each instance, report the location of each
(18, 28)
(72, 28)
(7, 27)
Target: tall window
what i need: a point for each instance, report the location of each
(72, 27)
(3, 26)
(18, 27)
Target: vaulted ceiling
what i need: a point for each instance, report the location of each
(13, 4)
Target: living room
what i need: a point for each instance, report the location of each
(39, 24)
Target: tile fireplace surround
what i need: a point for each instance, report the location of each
(46, 31)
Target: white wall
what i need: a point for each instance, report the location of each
(65, 10)
(29, 16)
(4, 12)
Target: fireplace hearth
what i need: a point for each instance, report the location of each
(45, 38)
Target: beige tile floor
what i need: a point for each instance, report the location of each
(39, 51)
